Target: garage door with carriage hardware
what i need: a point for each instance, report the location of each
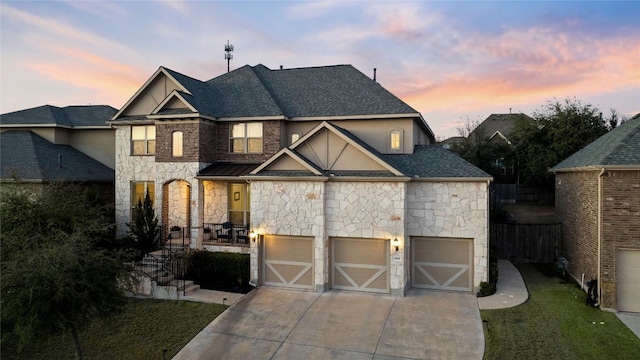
(628, 280)
(360, 264)
(287, 261)
(442, 263)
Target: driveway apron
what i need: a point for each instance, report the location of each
(272, 323)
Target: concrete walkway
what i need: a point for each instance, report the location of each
(632, 320)
(510, 289)
(271, 323)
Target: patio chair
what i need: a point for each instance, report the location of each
(242, 234)
(224, 234)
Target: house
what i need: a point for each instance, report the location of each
(598, 203)
(51, 144)
(324, 177)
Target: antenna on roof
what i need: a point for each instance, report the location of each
(228, 48)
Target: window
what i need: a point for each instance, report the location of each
(143, 140)
(294, 137)
(176, 149)
(246, 138)
(395, 141)
(139, 190)
(239, 199)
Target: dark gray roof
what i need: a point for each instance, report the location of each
(228, 169)
(256, 91)
(618, 147)
(30, 157)
(91, 115)
(505, 123)
(433, 161)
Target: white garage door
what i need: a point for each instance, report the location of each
(288, 261)
(360, 264)
(628, 280)
(442, 263)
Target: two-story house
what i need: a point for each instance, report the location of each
(52, 144)
(325, 178)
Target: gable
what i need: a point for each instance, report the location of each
(151, 94)
(331, 152)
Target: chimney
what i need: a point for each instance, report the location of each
(374, 74)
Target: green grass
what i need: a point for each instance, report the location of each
(555, 323)
(141, 331)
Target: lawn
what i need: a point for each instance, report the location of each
(555, 323)
(141, 331)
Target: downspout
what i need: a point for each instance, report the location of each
(600, 235)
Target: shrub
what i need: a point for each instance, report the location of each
(486, 289)
(220, 270)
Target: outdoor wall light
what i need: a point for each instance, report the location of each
(253, 235)
(396, 244)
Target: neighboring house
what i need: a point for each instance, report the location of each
(51, 144)
(337, 178)
(598, 203)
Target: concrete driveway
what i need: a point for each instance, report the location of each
(273, 323)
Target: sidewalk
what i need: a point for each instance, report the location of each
(511, 290)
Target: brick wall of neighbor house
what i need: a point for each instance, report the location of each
(190, 141)
(271, 135)
(577, 210)
(620, 226)
(452, 209)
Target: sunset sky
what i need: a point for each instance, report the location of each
(451, 61)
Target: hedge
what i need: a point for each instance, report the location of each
(219, 270)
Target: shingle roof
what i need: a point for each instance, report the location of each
(227, 169)
(257, 91)
(91, 115)
(618, 147)
(31, 157)
(433, 161)
(504, 123)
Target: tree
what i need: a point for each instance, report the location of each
(144, 226)
(477, 148)
(55, 277)
(559, 130)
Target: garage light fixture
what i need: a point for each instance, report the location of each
(253, 235)
(396, 243)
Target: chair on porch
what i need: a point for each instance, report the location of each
(224, 233)
(242, 234)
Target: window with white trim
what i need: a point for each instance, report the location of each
(176, 144)
(246, 138)
(395, 140)
(139, 191)
(143, 140)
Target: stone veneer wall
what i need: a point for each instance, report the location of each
(290, 208)
(215, 202)
(577, 210)
(451, 209)
(370, 210)
(144, 168)
(620, 226)
(129, 168)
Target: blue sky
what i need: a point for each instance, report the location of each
(451, 61)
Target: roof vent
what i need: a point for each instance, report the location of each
(280, 67)
(374, 74)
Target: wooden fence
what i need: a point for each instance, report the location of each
(526, 243)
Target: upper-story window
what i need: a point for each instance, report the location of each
(143, 140)
(246, 138)
(395, 141)
(176, 144)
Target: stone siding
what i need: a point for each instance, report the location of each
(455, 210)
(620, 226)
(215, 202)
(577, 210)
